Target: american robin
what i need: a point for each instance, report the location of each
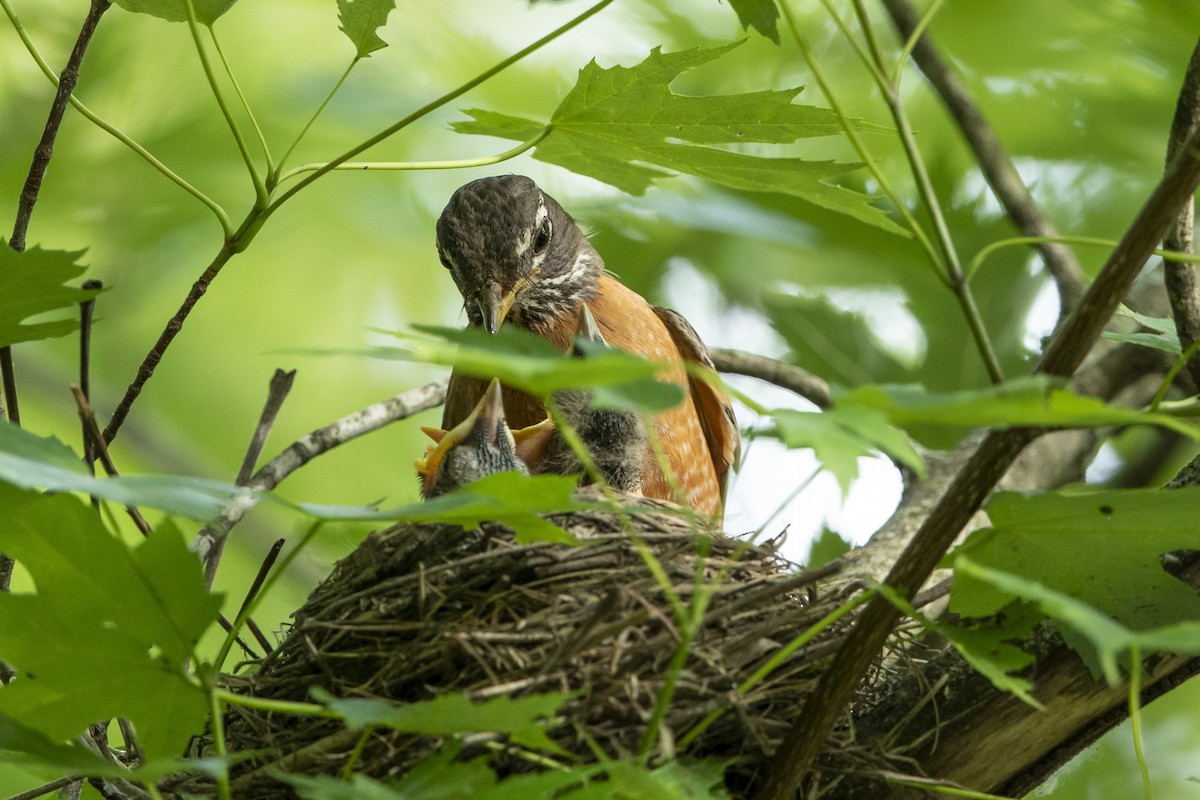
(480, 445)
(517, 256)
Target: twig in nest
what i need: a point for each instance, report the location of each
(995, 163)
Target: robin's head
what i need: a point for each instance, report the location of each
(479, 446)
(515, 254)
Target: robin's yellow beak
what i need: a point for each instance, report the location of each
(486, 420)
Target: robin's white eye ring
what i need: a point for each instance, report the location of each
(541, 239)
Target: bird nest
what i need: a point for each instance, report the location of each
(419, 610)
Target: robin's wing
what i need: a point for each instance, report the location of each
(714, 408)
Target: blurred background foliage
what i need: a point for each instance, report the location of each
(1081, 93)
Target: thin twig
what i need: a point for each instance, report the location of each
(86, 309)
(45, 148)
(971, 487)
(773, 371)
(947, 250)
(1183, 285)
(44, 789)
(9, 378)
(277, 392)
(252, 592)
(91, 433)
(309, 447)
(995, 163)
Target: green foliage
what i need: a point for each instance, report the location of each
(35, 462)
(519, 502)
(207, 11)
(624, 126)
(762, 15)
(523, 719)
(108, 631)
(1100, 548)
(836, 344)
(1110, 639)
(532, 364)
(842, 435)
(31, 283)
(361, 20)
(1037, 402)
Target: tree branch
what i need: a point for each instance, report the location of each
(1183, 286)
(969, 489)
(306, 449)
(773, 371)
(998, 168)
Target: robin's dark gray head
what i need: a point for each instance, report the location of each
(515, 254)
(479, 446)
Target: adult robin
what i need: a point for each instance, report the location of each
(517, 256)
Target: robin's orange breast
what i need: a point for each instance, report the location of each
(697, 451)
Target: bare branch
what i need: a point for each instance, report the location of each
(997, 166)
(1183, 286)
(780, 373)
(314, 444)
(277, 392)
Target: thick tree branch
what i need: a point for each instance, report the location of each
(1183, 286)
(997, 166)
(981, 473)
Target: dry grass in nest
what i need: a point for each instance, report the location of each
(419, 610)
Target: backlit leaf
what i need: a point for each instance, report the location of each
(1101, 548)
(207, 11)
(109, 629)
(31, 283)
(524, 719)
(361, 19)
(626, 127)
(34, 462)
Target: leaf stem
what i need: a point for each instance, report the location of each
(293, 707)
(439, 102)
(91, 116)
(217, 724)
(262, 139)
(260, 188)
(273, 179)
(1135, 718)
(462, 163)
(913, 38)
(860, 148)
(949, 254)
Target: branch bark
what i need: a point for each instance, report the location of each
(1183, 286)
(981, 473)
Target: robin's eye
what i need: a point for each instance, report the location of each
(541, 239)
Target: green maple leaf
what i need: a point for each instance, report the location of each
(1100, 548)
(207, 11)
(762, 15)
(31, 283)
(624, 126)
(361, 19)
(109, 629)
